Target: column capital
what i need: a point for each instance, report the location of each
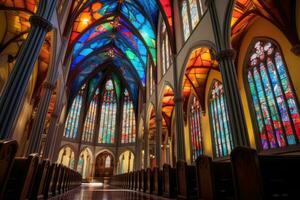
(48, 86)
(296, 49)
(36, 20)
(226, 54)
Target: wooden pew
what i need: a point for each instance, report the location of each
(169, 181)
(144, 180)
(55, 179)
(130, 180)
(8, 149)
(21, 177)
(149, 181)
(157, 187)
(186, 176)
(214, 179)
(39, 180)
(265, 176)
(139, 182)
(49, 181)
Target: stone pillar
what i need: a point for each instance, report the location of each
(39, 120)
(52, 133)
(146, 148)
(15, 88)
(178, 100)
(158, 139)
(225, 57)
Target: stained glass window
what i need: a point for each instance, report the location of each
(71, 126)
(223, 142)
(108, 115)
(128, 124)
(165, 50)
(195, 128)
(107, 162)
(151, 80)
(191, 12)
(90, 120)
(273, 99)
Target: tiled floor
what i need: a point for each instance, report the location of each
(98, 192)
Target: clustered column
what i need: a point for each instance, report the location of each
(15, 89)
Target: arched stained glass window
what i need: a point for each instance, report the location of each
(165, 50)
(191, 12)
(108, 115)
(128, 124)
(273, 99)
(223, 142)
(71, 126)
(195, 128)
(90, 120)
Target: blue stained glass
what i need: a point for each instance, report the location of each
(71, 125)
(220, 121)
(277, 126)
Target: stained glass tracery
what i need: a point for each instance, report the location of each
(72, 122)
(195, 128)
(273, 99)
(108, 114)
(166, 54)
(90, 120)
(223, 142)
(128, 120)
(191, 12)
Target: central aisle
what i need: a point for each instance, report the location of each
(96, 191)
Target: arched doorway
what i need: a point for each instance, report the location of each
(66, 157)
(104, 165)
(126, 161)
(84, 163)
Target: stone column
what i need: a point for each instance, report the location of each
(52, 133)
(158, 139)
(178, 100)
(146, 148)
(15, 88)
(225, 57)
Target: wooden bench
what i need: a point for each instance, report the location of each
(21, 177)
(157, 176)
(187, 182)
(169, 181)
(8, 149)
(49, 181)
(214, 179)
(39, 179)
(143, 180)
(55, 179)
(265, 176)
(149, 181)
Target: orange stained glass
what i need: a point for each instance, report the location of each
(198, 67)
(87, 17)
(168, 101)
(27, 5)
(152, 124)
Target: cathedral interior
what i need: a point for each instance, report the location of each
(149, 99)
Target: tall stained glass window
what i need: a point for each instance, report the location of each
(128, 123)
(72, 122)
(151, 80)
(90, 120)
(165, 50)
(191, 12)
(274, 102)
(195, 128)
(108, 115)
(223, 143)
